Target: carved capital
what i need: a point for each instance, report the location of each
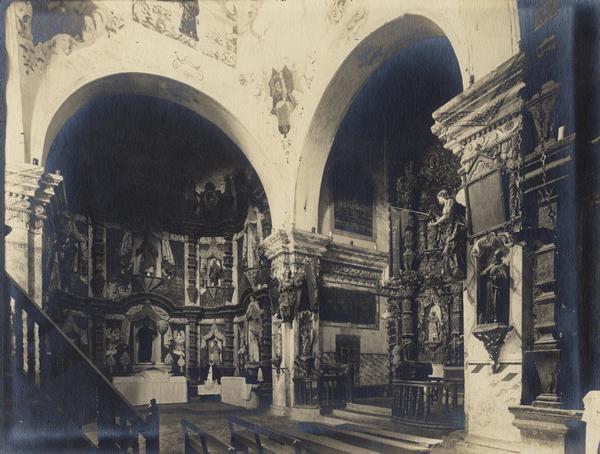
(32, 196)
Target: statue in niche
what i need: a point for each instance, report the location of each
(284, 103)
(73, 253)
(305, 360)
(306, 340)
(214, 352)
(253, 235)
(495, 281)
(455, 235)
(147, 255)
(242, 355)
(113, 338)
(405, 186)
(179, 348)
(434, 325)
(145, 335)
(409, 254)
(215, 272)
(254, 331)
(277, 347)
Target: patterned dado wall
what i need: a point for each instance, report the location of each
(372, 371)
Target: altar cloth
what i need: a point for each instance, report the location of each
(147, 385)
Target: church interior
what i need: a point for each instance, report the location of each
(270, 226)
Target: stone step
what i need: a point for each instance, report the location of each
(363, 428)
(317, 444)
(364, 440)
(370, 409)
(361, 417)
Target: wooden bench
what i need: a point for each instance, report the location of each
(199, 442)
(253, 437)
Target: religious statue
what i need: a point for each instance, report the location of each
(73, 252)
(455, 236)
(254, 327)
(496, 280)
(145, 335)
(253, 235)
(290, 292)
(304, 363)
(287, 298)
(306, 339)
(409, 254)
(433, 326)
(112, 342)
(214, 352)
(215, 272)
(147, 255)
(282, 88)
(242, 356)
(401, 353)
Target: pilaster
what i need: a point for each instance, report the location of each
(484, 127)
(32, 198)
(295, 262)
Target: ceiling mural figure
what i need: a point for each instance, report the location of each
(282, 94)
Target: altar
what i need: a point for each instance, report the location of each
(152, 384)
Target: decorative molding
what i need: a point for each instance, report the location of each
(484, 117)
(32, 196)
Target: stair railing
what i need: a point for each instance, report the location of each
(44, 356)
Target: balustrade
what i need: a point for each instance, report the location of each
(435, 403)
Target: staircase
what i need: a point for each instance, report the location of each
(53, 390)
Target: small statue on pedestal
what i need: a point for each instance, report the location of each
(496, 280)
(454, 239)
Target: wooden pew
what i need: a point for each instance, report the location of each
(199, 442)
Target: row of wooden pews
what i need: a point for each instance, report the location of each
(306, 437)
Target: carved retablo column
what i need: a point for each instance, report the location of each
(402, 348)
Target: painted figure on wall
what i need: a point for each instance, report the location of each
(284, 103)
(454, 237)
(495, 278)
(188, 19)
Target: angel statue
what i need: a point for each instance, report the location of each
(282, 88)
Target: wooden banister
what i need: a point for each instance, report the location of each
(45, 357)
(436, 403)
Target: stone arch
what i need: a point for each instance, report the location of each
(49, 119)
(347, 80)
